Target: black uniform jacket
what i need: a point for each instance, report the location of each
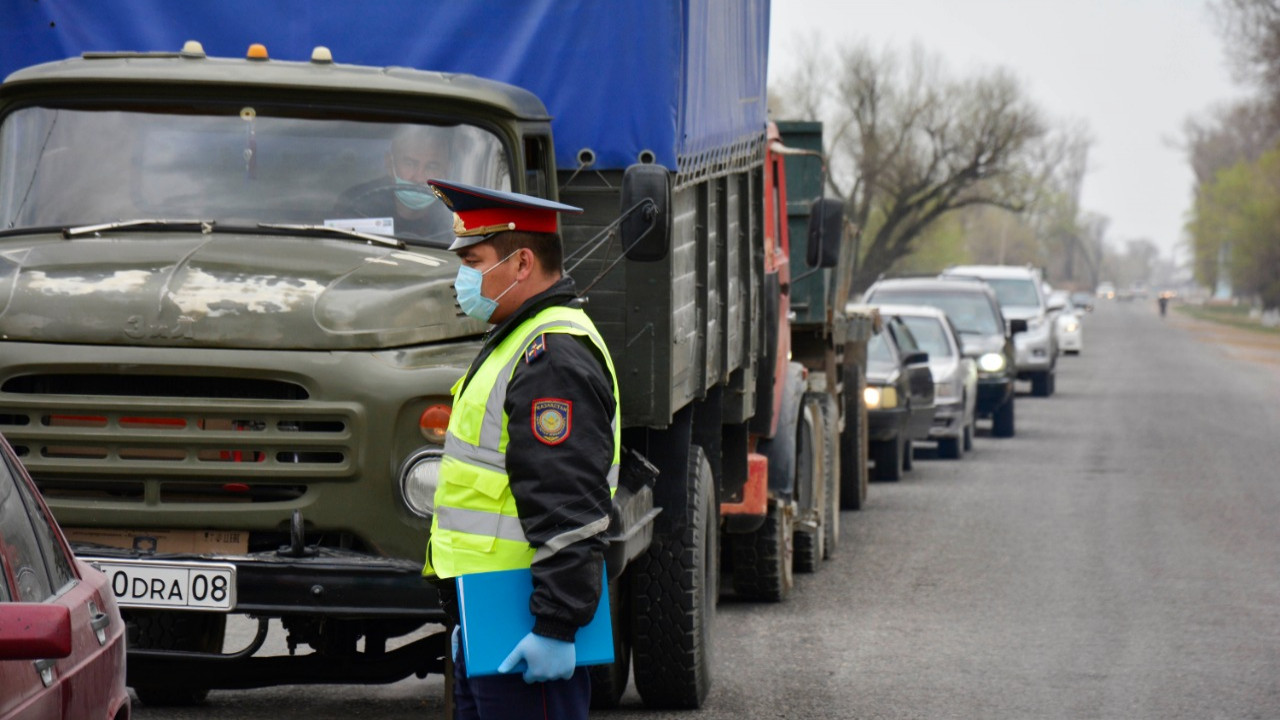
(559, 482)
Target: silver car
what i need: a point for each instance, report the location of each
(955, 377)
(1020, 291)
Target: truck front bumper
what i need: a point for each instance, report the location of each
(322, 582)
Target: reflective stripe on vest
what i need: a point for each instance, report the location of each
(476, 527)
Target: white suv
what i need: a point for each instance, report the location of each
(1020, 291)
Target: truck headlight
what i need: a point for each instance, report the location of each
(991, 362)
(418, 479)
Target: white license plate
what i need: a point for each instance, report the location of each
(171, 584)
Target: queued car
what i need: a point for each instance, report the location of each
(974, 311)
(1067, 322)
(898, 395)
(62, 639)
(1082, 300)
(955, 378)
(1020, 290)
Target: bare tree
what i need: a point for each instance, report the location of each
(1252, 31)
(1240, 132)
(909, 144)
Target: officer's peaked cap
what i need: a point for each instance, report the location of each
(480, 213)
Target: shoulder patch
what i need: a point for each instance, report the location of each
(536, 348)
(552, 419)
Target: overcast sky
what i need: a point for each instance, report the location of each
(1134, 70)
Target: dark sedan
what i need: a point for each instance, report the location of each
(899, 397)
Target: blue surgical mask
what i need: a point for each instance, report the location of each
(470, 298)
(413, 199)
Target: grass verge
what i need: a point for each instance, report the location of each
(1237, 317)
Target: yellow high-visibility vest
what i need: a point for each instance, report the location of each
(475, 527)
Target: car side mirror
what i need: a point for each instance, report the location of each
(826, 230)
(1017, 326)
(916, 358)
(34, 631)
(646, 195)
(1056, 306)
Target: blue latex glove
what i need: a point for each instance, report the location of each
(457, 629)
(542, 658)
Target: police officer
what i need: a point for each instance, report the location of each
(531, 454)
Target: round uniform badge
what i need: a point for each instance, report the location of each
(552, 419)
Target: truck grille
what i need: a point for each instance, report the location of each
(197, 439)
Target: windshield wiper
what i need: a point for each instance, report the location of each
(205, 226)
(340, 232)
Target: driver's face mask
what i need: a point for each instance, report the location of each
(415, 198)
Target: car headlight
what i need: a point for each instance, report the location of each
(991, 362)
(877, 397)
(1071, 326)
(418, 479)
(944, 390)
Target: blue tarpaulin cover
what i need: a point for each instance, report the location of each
(684, 79)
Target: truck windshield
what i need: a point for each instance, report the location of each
(238, 166)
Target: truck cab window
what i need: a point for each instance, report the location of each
(233, 165)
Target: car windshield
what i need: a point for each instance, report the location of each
(880, 360)
(930, 335)
(969, 312)
(1015, 292)
(234, 165)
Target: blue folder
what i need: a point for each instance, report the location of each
(494, 611)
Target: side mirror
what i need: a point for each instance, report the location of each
(1056, 305)
(916, 358)
(34, 631)
(826, 230)
(646, 234)
(1017, 326)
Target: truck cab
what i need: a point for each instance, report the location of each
(228, 357)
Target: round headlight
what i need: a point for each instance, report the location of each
(991, 362)
(871, 396)
(418, 482)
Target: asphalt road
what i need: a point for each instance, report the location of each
(1118, 558)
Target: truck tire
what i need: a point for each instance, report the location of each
(1002, 420)
(674, 592)
(853, 445)
(608, 682)
(830, 455)
(888, 457)
(762, 559)
(908, 455)
(810, 486)
(166, 630)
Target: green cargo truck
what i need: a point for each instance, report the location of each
(233, 392)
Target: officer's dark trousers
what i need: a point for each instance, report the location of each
(509, 697)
